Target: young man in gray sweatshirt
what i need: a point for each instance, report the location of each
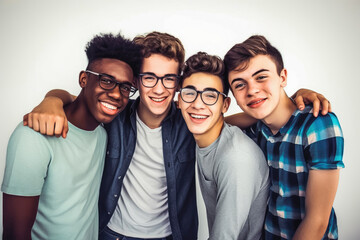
(232, 170)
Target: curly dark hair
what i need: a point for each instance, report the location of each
(161, 43)
(203, 62)
(115, 47)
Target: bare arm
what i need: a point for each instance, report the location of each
(242, 120)
(301, 97)
(305, 96)
(320, 194)
(49, 117)
(19, 216)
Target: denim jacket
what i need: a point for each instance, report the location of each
(179, 162)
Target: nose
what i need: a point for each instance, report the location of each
(115, 93)
(253, 88)
(159, 87)
(198, 103)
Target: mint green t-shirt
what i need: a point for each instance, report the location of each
(66, 173)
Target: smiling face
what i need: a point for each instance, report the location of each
(104, 105)
(258, 89)
(204, 122)
(155, 102)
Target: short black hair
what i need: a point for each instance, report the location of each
(115, 47)
(203, 62)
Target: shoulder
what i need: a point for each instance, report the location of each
(23, 134)
(318, 128)
(239, 150)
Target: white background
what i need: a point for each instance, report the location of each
(42, 47)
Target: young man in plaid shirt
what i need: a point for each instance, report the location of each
(304, 153)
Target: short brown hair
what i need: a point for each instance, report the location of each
(161, 43)
(238, 57)
(203, 62)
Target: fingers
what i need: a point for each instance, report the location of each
(299, 101)
(25, 119)
(47, 124)
(316, 107)
(65, 129)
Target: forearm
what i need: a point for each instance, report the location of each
(311, 228)
(63, 95)
(241, 120)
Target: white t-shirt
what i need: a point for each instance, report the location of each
(142, 209)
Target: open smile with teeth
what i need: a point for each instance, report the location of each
(198, 116)
(256, 102)
(109, 106)
(158, 99)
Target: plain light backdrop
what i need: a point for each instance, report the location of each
(42, 48)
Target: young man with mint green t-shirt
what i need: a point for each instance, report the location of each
(51, 185)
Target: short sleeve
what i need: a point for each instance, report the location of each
(27, 159)
(325, 143)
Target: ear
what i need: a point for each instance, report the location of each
(283, 76)
(136, 80)
(83, 79)
(179, 101)
(226, 105)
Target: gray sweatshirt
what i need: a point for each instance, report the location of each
(234, 181)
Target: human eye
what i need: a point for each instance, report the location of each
(106, 81)
(170, 78)
(210, 94)
(261, 77)
(189, 92)
(149, 77)
(125, 87)
(239, 85)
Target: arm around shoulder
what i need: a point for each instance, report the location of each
(49, 117)
(241, 120)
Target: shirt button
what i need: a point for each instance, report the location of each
(115, 195)
(107, 152)
(119, 177)
(108, 213)
(166, 140)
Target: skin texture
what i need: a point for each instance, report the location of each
(207, 129)
(320, 194)
(259, 91)
(86, 112)
(101, 106)
(155, 102)
(18, 216)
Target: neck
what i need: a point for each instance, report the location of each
(78, 114)
(151, 120)
(210, 136)
(281, 115)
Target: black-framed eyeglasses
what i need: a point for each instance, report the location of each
(209, 97)
(108, 82)
(150, 80)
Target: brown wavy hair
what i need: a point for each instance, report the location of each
(161, 43)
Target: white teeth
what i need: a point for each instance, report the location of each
(257, 101)
(158, 99)
(108, 105)
(198, 116)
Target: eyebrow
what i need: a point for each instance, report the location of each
(205, 89)
(116, 80)
(168, 74)
(255, 73)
